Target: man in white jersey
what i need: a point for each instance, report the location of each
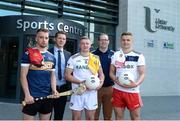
(76, 72)
(127, 95)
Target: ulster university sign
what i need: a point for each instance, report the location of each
(154, 24)
(29, 24)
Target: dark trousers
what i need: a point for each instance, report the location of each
(104, 100)
(60, 103)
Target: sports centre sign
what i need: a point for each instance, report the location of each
(29, 24)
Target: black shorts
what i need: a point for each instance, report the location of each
(42, 106)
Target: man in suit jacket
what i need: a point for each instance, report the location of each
(62, 57)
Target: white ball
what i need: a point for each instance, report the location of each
(92, 82)
(125, 77)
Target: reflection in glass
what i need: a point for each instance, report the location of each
(8, 66)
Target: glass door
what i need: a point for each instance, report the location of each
(8, 66)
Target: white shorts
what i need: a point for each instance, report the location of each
(88, 100)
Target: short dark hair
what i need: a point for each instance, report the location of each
(84, 37)
(101, 35)
(42, 30)
(60, 32)
(126, 33)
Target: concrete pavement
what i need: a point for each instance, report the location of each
(155, 108)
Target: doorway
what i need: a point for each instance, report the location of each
(9, 47)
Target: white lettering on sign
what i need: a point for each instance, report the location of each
(26, 25)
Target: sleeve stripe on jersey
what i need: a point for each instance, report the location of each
(25, 64)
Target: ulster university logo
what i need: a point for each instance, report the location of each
(148, 20)
(152, 24)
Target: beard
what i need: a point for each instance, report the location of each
(43, 45)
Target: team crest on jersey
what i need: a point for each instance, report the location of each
(86, 61)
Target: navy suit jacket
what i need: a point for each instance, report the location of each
(67, 55)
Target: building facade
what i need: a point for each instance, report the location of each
(155, 25)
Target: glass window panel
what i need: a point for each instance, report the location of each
(8, 66)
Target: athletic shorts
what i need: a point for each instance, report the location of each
(87, 100)
(124, 99)
(42, 106)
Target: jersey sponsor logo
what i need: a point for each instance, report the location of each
(46, 66)
(119, 64)
(82, 67)
(129, 66)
